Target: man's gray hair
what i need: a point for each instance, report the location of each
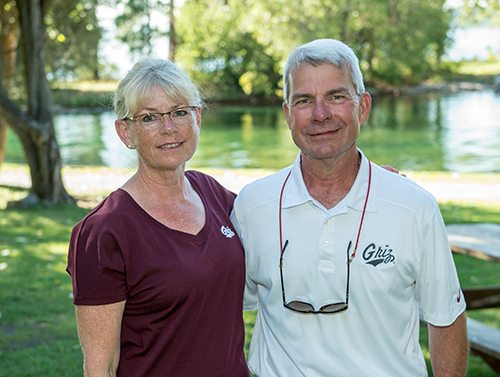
(324, 51)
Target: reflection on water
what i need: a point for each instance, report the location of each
(458, 132)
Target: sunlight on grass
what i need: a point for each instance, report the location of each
(479, 68)
(460, 212)
(44, 342)
(93, 86)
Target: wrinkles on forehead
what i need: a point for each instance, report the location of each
(347, 90)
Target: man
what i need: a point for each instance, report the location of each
(343, 255)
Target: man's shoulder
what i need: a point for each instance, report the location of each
(396, 189)
(262, 190)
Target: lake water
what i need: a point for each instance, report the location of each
(454, 132)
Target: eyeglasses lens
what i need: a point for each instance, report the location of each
(179, 117)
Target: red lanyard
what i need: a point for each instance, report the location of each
(362, 216)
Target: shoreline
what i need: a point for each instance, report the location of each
(84, 182)
(102, 105)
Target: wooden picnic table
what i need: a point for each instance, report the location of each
(477, 240)
(480, 241)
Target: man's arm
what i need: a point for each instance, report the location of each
(99, 329)
(449, 348)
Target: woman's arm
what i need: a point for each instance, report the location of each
(99, 330)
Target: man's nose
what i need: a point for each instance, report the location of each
(321, 111)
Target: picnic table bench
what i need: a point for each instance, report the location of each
(480, 241)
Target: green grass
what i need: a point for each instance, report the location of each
(472, 71)
(97, 94)
(37, 322)
(484, 68)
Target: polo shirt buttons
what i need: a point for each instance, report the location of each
(326, 244)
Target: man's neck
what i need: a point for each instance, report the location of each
(330, 181)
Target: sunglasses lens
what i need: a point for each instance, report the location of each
(304, 307)
(334, 308)
(299, 306)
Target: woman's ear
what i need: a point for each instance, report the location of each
(123, 132)
(198, 117)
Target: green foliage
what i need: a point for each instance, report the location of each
(240, 47)
(135, 26)
(222, 52)
(478, 12)
(73, 39)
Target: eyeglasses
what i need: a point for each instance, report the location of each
(304, 307)
(179, 117)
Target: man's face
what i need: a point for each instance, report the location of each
(324, 113)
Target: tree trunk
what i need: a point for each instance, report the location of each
(9, 39)
(171, 53)
(35, 128)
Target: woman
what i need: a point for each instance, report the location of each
(157, 269)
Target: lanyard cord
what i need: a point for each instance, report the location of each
(362, 216)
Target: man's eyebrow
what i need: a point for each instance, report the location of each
(341, 90)
(295, 96)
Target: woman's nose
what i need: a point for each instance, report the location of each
(167, 125)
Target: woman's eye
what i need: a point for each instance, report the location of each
(180, 113)
(149, 118)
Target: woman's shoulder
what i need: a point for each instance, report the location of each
(210, 188)
(107, 213)
(205, 181)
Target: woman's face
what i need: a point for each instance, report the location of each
(164, 145)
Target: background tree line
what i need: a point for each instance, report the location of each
(233, 49)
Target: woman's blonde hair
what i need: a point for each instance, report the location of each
(140, 83)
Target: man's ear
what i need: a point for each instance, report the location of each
(286, 109)
(123, 132)
(365, 105)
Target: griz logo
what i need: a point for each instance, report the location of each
(375, 255)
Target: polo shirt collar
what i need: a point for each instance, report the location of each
(296, 193)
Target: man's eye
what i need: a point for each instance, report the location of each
(303, 101)
(338, 98)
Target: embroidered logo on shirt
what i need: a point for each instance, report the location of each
(376, 255)
(227, 231)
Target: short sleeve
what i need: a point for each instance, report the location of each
(251, 296)
(96, 264)
(437, 287)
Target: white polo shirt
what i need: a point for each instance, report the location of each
(403, 264)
